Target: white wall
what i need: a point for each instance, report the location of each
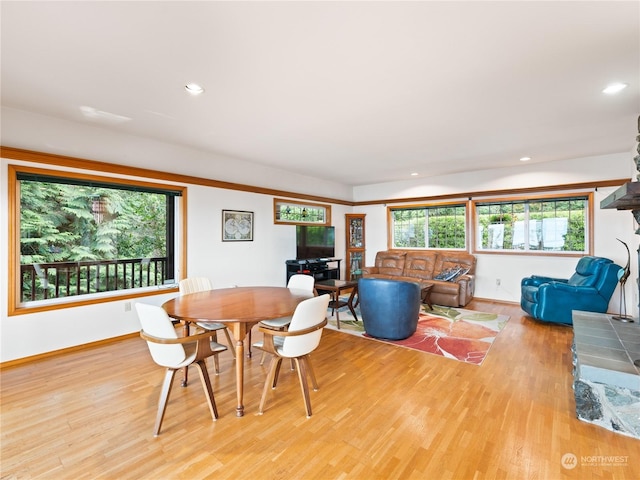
(258, 262)
(263, 260)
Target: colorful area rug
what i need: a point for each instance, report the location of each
(455, 333)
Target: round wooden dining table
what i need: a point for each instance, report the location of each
(240, 308)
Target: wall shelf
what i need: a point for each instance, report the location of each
(627, 197)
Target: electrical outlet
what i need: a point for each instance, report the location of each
(498, 282)
(127, 306)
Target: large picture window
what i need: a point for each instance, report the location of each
(81, 235)
(547, 225)
(421, 226)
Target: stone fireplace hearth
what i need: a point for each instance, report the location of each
(606, 380)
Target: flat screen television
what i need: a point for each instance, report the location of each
(315, 242)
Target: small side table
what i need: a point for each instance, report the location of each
(334, 287)
(425, 293)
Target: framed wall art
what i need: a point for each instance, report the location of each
(237, 226)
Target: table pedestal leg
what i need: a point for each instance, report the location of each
(240, 376)
(426, 296)
(240, 331)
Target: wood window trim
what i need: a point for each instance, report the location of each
(542, 196)
(392, 208)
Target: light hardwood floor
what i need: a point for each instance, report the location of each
(382, 412)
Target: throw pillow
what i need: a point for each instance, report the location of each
(450, 274)
(461, 271)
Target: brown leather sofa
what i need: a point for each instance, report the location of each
(422, 266)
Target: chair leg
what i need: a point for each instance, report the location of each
(231, 343)
(312, 374)
(206, 385)
(264, 355)
(277, 373)
(164, 397)
(185, 370)
(216, 364)
(270, 381)
(302, 376)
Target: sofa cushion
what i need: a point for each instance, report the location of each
(420, 265)
(588, 271)
(390, 262)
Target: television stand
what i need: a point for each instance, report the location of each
(319, 268)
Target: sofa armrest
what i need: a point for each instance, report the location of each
(556, 301)
(467, 287)
(369, 271)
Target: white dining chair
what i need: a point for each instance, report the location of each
(297, 342)
(203, 284)
(174, 353)
(296, 282)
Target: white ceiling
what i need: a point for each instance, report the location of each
(353, 92)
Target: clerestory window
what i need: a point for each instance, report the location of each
(289, 212)
(86, 237)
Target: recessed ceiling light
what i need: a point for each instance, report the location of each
(525, 159)
(614, 88)
(193, 88)
(414, 174)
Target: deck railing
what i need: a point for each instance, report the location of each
(41, 281)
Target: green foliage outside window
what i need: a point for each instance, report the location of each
(549, 224)
(61, 223)
(429, 227)
(291, 212)
(533, 225)
(79, 239)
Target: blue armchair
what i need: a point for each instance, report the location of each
(590, 288)
(389, 308)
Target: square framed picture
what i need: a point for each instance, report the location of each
(237, 226)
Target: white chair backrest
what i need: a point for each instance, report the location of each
(194, 284)
(301, 282)
(308, 313)
(156, 322)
